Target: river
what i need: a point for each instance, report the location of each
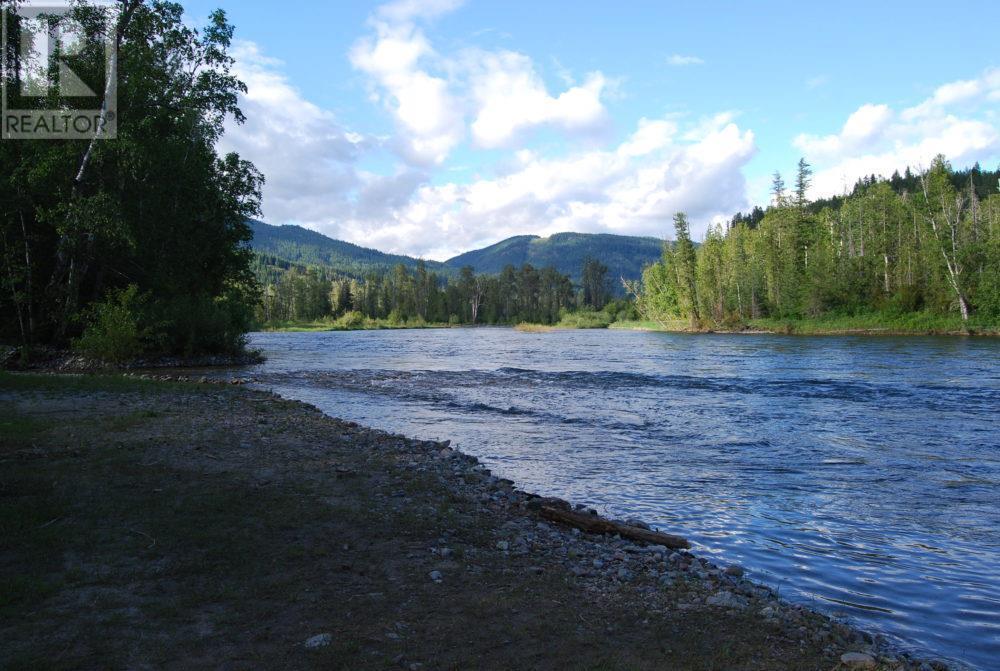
(858, 475)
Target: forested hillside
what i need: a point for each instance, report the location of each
(304, 247)
(624, 255)
(926, 244)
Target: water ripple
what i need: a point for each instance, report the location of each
(857, 475)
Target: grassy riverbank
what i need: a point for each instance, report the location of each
(918, 323)
(349, 324)
(173, 524)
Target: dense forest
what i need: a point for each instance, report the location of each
(624, 255)
(136, 244)
(919, 243)
(420, 296)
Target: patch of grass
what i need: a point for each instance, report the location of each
(877, 323)
(874, 323)
(526, 327)
(131, 420)
(18, 428)
(671, 325)
(350, 322)
(62, 383)
(585, 319)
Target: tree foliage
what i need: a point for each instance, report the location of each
(882, 248)
(405, 296)
(157, 208)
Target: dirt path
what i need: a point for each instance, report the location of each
(148, 525)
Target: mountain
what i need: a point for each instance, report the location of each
(308, 248)
(625, 256)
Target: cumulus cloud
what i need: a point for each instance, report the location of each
(493, 99)
(428, 118)
(307, 157)
(634, 188)
(679, 60)
(431, 96)
(509, 96)
(311, 162)
(876, 139)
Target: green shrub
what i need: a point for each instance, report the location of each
(584, 319)
(204, 324)
(114, 333)
(351, 320)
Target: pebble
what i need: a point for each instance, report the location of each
(609, 562)
(857, 660)
(318, 641)
(726, 600)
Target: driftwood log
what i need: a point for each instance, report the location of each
(598, 525)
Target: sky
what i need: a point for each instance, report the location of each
(431, 127)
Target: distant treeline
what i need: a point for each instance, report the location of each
(926, 242)
(404, 296)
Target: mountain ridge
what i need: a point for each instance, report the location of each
(624, 255)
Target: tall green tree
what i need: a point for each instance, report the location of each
(156, 208)
(685, 267)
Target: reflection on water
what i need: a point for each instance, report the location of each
(861, 475)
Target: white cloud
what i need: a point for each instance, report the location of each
(679, 60)
(428, 118)
(302, 149)
(649, 137)
(311, 164)
(633, 189)
(403, 11)
(509, 96)
(875, 139)
(861, 129)
(431, 95)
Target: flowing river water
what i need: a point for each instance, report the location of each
(857, 475)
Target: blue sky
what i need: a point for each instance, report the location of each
(432, 126)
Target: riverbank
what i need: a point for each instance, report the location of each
(55, 360)
(867, 325)
(871, 324)
(352, 321)
(246, 530)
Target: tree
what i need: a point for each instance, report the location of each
(803, 179)
(472, 287)
(685, 267)
(158, 208)
(943, 209)
(595, 283)
(777, 189)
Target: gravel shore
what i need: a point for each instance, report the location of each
(170, 524)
